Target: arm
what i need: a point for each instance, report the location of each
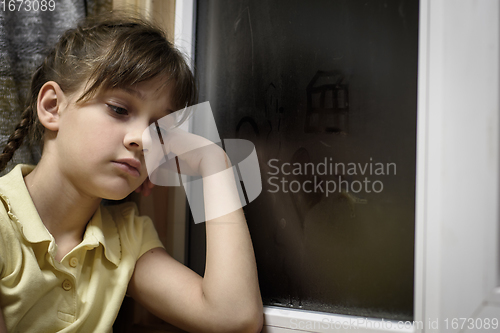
(227, 298)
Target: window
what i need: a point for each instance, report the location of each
(327, 92)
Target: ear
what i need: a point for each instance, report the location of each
(50, 98)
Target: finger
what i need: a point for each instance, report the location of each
(146, 190)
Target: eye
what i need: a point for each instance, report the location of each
(118, 110)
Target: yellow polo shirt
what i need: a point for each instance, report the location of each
(84, 291)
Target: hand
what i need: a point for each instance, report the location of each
(196, 155)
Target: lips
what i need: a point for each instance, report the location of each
(129, 165)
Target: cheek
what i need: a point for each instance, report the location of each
(96, 125)
(90, 135)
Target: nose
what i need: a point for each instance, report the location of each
(133, 139)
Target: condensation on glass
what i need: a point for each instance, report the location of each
(326, 91)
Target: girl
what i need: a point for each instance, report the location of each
(66, 261)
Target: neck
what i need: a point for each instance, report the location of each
(63, 209)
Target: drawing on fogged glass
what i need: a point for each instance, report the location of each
(327, 103)
(327, 92)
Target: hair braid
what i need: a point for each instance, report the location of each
(16, 139)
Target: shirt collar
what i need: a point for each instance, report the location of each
(104, 233)
(21, 209)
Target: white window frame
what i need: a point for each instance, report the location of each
(457, 252)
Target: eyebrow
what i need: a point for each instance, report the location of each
(139, 95)
(134, 92)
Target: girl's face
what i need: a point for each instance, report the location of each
(99, 143)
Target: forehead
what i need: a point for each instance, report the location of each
(156, 87)
(155, 92)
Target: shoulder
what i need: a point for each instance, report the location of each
(14, 199)
(4, 208)
(8, 237)
(136, 231)
(7, 228)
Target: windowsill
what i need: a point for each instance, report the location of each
(289, 320)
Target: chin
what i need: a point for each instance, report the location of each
(116, 197)
(117, 194)
(117, 188)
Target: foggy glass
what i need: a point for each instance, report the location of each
(326, 91)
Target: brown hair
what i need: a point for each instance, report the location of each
(109, 51)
